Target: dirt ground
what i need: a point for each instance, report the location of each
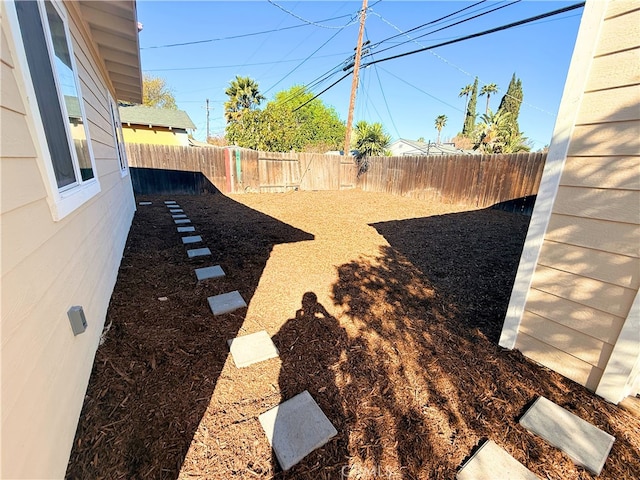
(387, 310)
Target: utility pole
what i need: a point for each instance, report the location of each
(207, 139)
(354, 81)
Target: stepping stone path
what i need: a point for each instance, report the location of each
(198, 252)
(253, 348)
(209, 272)
(296, 428)
(193, 239)
(226, 302)
(585, 444)
(491, 461)
(145, 203)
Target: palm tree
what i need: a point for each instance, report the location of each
(441, 121)
(244, 94)
(488, 90)
(465, 92)
(494, 131)
(370, 141)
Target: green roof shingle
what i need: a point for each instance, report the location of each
(159, 117)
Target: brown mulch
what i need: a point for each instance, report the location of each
(386, 309)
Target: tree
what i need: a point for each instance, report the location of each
(495, 134)
(370, 140)
(156, 93)
(488, 90)
(244, 94)
(470, 117)
(512, 100)
(466, 90)
(441, 121)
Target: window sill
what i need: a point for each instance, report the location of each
(67, 202)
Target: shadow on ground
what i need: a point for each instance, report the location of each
(163, 352)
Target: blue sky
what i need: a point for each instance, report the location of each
(405, 94)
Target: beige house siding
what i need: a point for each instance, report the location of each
(49, 266)
(588, 270)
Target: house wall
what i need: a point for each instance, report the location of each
(49, 266)
(588, 267)
(155, 135)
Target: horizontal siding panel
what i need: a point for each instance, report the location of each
(617, 139)
(592, 322)
(608, 267)
(563, 363)
(592, 293)
(573, 342)
(10, 96)
(604, 204)
(16, 139)
(602, 172)
(620, 238)
(617, 105)
(619, 7)
(613, 71)
(619, 33)
(21, 183)
(5, 54)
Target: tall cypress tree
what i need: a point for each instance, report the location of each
(512, 100)
(470, 118)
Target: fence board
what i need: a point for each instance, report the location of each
(474, 180)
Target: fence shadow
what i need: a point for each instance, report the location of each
(470, 258)
(157, 181)
(163, 353)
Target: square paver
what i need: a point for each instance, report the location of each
(169, 202)
(179, 215)
(173, 205)
(145, 203)
(198, 252)
(186, 229)
(191, 239)
(181, 220)
(253, 348)
(226, 302)
(209, 272)
(295, 428)
(491, 461)
(176, 210)
(585, 444)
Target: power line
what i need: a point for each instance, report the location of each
(318, 94)
(309, 22)
(480, 34)
(452, 25)
(232, 37)
(308, 57)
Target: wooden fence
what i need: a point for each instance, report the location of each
(474, 180)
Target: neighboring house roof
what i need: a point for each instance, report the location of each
(73, 106)
(114, 29)
(409, 147)
(155, 117)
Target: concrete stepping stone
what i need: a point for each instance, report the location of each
(179, 215)
(181, 220)
(169, 202)
(176, 210)
(253, 348)
(295, 428)
(192, 239)
(198, 252)
(186, 229)
(209, 272)
(492, 461)
(173, 205)
(145, 203)
(226, 302)
(585, 444)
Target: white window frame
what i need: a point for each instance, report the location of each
(62, 200)
(118, 136)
